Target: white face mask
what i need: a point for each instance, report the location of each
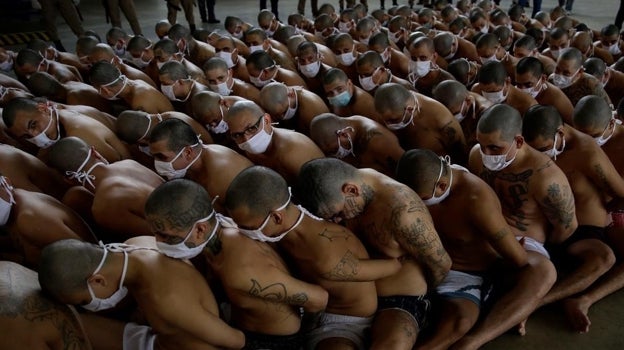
(42, 140)
(149, 126)
(258, 82)
(310, 70)
(492, 58)
(395, 37)
(535, 90)
(484, 29)
(365, 40)
(146, 150)
(495, 97)
(98, 304)
(85, 177)
(555, 53)
(563, 81)
(160, 64)
(601, 140)
(227, 57)
(7, 65)
(385, 55)
(5, 206)
(460, 116)
(344, 152)
(344, 27)
(497, 162)
(437, 200)
(259, 236)
(139, 62)
(254, 48)
(181, 250)
(259, 142)
(120, 50)
(402, 124)
(420, 68)
(221, 128)
(452, 53)
(554, 152)
(291, 111)
(222, 88)
(167, 170)
(367, 83)
(346, 59)
(167, 90)
(615, 49)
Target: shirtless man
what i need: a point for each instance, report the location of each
(178, 86)
(118, 190)
(29, 173)
(358, 141)
(142, 51)
(263, 70)
(103, 52)
(221, 79)
(282, 150)
(175, 299)
(525, 47)
(464, 71)
(257, 40)
(535, 195)
(292, 41)
(178, 153)
(372, 73)
(311, 67)
(195, 51)
(425, 74)
(227, 49)
(49, 52)
(165, 51)
(584, 43)
(324, 253)
(43, 125)
(292, 107)
(25, 213)
(558, 40)
(591, 118)
(451, 47)
(137, 94)
(347, 99)
(571, 78)
(395, 60)
(593, 180)
(531, 79)
(28, 61)
(209, 110)
(33, 320)
(396, 224)
(490, 50)
(611, 80)
(252, 273)
(346, 51)
(610, 41)
(495, 85)
(134, 127)
(476, 239)
(466, 106)
(71, 92)
(420, 122)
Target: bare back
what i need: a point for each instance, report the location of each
(33, 320)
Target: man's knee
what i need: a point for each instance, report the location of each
(593, 252)
(541, 268)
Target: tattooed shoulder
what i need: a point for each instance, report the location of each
(558, 204)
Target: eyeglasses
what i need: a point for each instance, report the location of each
(249, 131)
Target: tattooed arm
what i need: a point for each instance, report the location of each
(413, 229)
(351, 268)
(555, 198)
(604, 175)
(454, 140)
(282, 288)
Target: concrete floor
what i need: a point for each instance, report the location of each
(547, 328)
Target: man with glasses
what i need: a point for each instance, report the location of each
(282, 150)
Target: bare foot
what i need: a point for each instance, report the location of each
(576, 309)
(521, 327)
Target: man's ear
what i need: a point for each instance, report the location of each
(350, 189)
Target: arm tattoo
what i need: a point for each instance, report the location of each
(420, 238)
(604, 183)
(558, 205)
(346, 269)
(499, 235)
(277, 293)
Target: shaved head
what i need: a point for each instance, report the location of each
(68, 154)
(501, 118)
(419, 169)
(324, 127)
(273, 97)
(257, 191)
(132, 125)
